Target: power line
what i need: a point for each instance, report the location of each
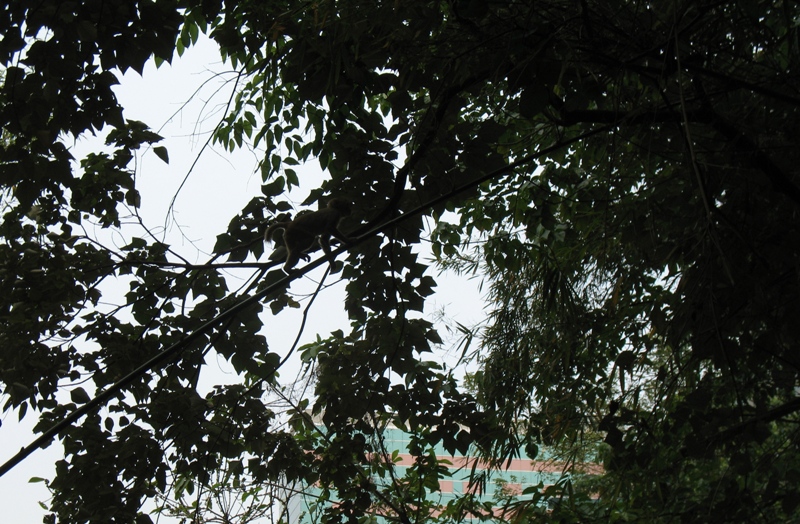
(101, 398)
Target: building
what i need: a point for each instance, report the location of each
(519, 481)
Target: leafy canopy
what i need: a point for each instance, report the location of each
(626, 172)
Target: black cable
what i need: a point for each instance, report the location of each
(175, 348)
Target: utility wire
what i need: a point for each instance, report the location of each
(101, 398)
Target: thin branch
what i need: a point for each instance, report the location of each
(789, 408)
(114, 389)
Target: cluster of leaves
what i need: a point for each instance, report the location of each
(644, 271)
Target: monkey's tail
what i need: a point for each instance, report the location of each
(272, 228)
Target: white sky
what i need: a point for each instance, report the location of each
(218, 187)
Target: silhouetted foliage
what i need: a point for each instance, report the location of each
(629, 170)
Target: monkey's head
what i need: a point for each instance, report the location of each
(341, 205)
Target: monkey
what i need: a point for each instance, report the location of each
(299, 234)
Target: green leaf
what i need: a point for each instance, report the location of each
(79, 396)
(161, 152)
(274, 188)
